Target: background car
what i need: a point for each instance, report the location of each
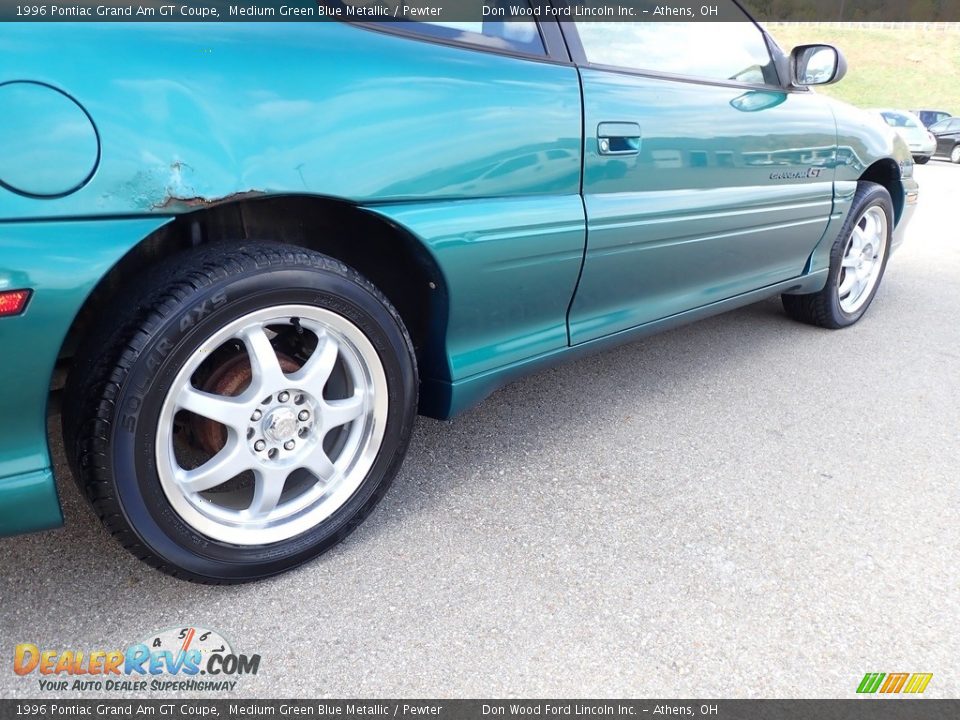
(947, 134)
(931, 117)
(920, 141)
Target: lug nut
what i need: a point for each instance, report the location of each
(259, 445)
(289, 445)
(283, 397)
(304, 416)
(256, 415)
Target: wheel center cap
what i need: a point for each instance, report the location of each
(280, 424)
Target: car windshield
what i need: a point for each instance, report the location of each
(899, 120)
(940, 126)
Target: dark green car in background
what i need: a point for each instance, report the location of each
(239, 259)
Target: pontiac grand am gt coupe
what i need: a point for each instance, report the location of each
(241, 258)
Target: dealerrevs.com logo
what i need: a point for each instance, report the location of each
(174, 660)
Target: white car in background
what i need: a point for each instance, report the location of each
(921, 141)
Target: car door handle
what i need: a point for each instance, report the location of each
(618, 138)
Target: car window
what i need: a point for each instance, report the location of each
(932, 116)
(895, 119)
(939, 126)
(515, 35)
(732, 50)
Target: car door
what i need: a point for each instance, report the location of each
(947, 133)
(703, 179)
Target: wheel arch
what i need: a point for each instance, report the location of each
(390, 256)
(886, 172)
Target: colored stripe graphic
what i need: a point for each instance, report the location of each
(870, 682)
(894, 683)
(918, 682)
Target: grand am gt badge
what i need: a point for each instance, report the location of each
(796, 174)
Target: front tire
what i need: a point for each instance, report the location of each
(858, 259)
(245, 414)
(955, 154)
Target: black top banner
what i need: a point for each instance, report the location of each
(464, 11)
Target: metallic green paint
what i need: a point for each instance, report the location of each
(53, 131)
(510, 267)
(862, 142)
(447, 399)
(487, 160)
(198, 113)
(29, 503)
(843, 193)
(62, 262)
(862, 145)
(698, 215)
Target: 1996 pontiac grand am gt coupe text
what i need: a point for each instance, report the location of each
(241, 271)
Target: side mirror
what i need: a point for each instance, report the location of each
(816, 65)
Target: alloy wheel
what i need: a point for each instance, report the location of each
(862, 259)
(285, 446)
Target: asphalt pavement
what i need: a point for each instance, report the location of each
(743, 507)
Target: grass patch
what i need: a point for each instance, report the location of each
(908, 69)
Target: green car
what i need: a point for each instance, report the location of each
(237, 260)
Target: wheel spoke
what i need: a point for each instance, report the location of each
(340, 412)
(877, 227)
(220, 408)
(858, 236)
(849, 261)
(316, 370)
(267, 491)
(858, 283)
(319, 464)
(232, 460)
(267, 374)
(849, 281)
